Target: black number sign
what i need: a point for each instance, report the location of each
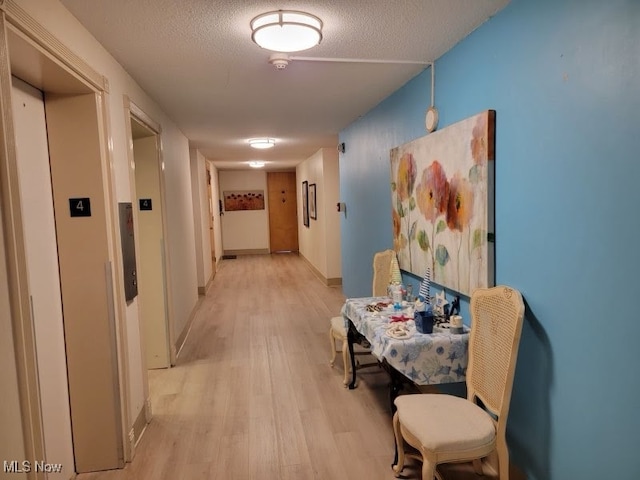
(80, 207)
(145, 204)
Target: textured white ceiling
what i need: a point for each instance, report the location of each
(197, 60)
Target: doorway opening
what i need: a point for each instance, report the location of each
(149, 218)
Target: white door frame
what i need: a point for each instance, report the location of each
(133, 112)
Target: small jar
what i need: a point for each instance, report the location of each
(396, 293)
(409, 293)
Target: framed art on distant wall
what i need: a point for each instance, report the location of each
(305, 203)
(313, 213)
(243, 200)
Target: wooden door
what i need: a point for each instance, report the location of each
(283, 219)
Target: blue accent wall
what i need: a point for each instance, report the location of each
(564, 79)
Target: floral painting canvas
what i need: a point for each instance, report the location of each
(244, 200)
(442, 204)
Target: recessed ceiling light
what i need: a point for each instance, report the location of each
(286, 31)
(262, 142)
(256, 164)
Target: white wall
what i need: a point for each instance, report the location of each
(181, 238)
(244, 229)
(312, 238)
(327, 208)
(320, 242)
(201, 216)
(57, 20)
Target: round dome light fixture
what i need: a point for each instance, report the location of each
(286, 31)
(256, 164)
(262, 143)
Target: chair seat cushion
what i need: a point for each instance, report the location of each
(337, 324)
(443, 423)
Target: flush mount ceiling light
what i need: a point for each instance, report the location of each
(256, 164)
(262, 143)
(286, 31)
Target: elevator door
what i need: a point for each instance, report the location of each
(152, 274)
(42, 269)
(63, 206)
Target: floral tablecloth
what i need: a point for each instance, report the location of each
(426, 359)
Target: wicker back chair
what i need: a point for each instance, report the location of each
(381, 272)
(337, 330)
(445, 428)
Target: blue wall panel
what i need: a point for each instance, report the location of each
(365, 173)
(564, 79)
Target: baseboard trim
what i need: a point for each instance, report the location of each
(205, 289)
(187, 328)
(329, 282)
(252, 251)
(139, 425)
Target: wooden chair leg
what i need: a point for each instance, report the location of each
(399, 465)
(345, 361)
(428, 469)
(503, 459)
(477, 466)
(333, 347)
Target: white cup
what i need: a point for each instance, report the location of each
(455, 321)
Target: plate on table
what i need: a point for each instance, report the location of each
(379, 307)
(399, 331)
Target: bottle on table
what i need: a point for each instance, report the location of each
(396, 295)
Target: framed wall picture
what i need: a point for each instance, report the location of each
(243, 200)
(313, 213)
(442, 198)
(305, 203)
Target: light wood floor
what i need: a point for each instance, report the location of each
(253, 395)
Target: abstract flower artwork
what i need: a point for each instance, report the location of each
(244, 200)
(442, 204)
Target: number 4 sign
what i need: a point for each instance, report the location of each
(80, 207)
(146, 204)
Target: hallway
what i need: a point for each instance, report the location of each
(253, 395)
